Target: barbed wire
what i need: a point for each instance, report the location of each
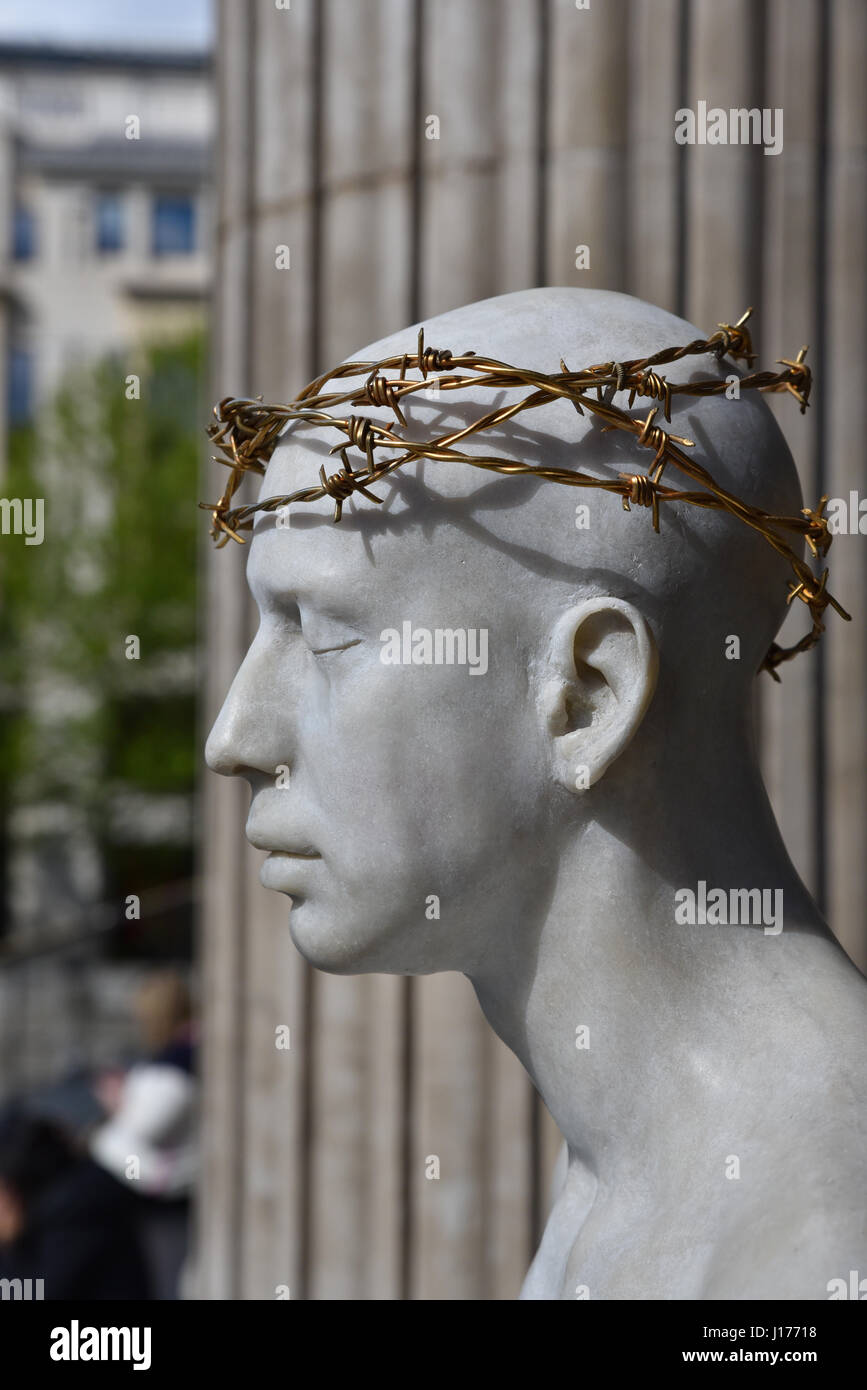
(246, 432)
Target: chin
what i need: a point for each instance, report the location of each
(329, 946)
(353, 948)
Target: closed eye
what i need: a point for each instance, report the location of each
(342, 647)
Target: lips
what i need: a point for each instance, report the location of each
(273, 832)
(271, 845)
(291, 853)
(286, 871)
(279, 845)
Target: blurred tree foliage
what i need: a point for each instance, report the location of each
(119, 478)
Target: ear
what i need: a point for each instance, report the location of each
(602, 669)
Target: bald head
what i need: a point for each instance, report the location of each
(701, 579)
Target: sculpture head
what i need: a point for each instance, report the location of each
(446, 690)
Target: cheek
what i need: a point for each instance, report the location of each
(418, 764)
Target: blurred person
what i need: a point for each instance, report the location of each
(149, 1141)
(63, 1219)
(165, 1015)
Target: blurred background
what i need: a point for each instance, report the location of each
(202, 200)
(106, 262)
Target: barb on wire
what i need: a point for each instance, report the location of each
(246, 432)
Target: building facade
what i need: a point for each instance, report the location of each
(104, 198)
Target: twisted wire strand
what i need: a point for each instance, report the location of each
(245, 433)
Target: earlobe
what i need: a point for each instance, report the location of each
(602, 669)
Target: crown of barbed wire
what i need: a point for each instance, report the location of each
(246, 433)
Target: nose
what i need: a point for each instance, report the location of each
(223, 745)
(248, 734)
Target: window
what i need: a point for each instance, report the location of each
(23, 234)
(173, 224)
(109, 221)
(20, 386)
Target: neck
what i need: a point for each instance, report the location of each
(675, 1015)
